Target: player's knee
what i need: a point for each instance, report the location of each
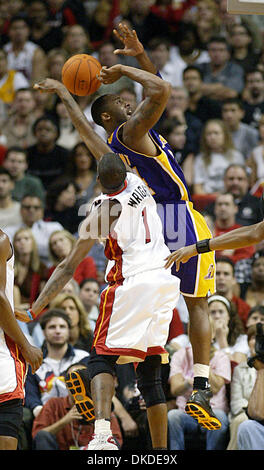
(149, 381)
(101, 364)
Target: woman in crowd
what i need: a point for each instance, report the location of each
(61, 243)
(217, 153)
(230, 335)
(81, 335)
(30, 274)
(61, 204)
(82, 168)
(256, 160)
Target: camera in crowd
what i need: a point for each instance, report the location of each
(259, 346)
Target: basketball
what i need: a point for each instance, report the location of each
(79, 74)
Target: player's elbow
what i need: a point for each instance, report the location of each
(258, 233)
(166, 89)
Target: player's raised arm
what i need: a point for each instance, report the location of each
(148, 112)
(238, 238)
(93, 141)
(133, 47)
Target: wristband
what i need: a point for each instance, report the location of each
(202, 246)
(31, 315)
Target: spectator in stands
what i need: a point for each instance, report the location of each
(23, 55)
(61, 204)
(59, 426)
(30, 273)
(207, 21)
(9, 207)
(16, 163)
(159, 53)
(254, 294)
(89, 295)
(72, 287)
(68, 135)
(63, 13)
(10, 82)
(187, 52)
(256, 159)
(242, 383)
(56, 58)
(226, 286)
(82, 169)
(225, 210)
(201, 106)
(245, 137)
(48, 381)
(229, 331)
(61, 243)
(18, 127)
(175, 133)
(224, 78)
(76, 41)
(255, 315)
(250, 433)
(253, 97)
(31, 216)
(146, 24)
(242, 51)
(177, 107)
(41, 32)
(46, 159)
(181, 380)
(81, 335)
(236, 181)
(217, 153)
(107, 58)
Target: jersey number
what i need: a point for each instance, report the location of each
(145, 221)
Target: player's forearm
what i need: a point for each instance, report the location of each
(9, 324)
(238, 238)
(145, 63)
(92, 140)
(62, 274)
(152, 84)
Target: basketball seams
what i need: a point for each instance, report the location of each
(79, 74)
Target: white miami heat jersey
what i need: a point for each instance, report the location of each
(136, 244)
(12, 364)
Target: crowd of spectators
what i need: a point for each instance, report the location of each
(214, 122)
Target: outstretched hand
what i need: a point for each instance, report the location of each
(128, 37)
(180, 256)
(49, 85)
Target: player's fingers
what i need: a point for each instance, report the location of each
(118, 35)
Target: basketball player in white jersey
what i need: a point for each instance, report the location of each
(15, 353)
(136, 307)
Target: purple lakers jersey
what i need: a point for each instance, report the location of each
(161, 173)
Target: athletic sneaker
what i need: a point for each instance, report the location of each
(78, 385)
(101, 442)
(198, 406)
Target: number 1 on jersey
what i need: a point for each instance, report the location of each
(145, 221)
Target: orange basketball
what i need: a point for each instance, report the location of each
(79, 74)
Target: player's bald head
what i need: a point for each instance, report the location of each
(111, 171)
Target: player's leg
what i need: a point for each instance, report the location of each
(95, 386)
(198, 405)
(11, 415)
(150, 385)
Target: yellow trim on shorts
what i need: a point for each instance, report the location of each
(205, 275)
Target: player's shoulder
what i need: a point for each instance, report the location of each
(5, 247)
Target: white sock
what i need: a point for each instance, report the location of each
(201, 370)
(102, 426)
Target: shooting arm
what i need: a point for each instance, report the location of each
(92, 140)
(156, 93)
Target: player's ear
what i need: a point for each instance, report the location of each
(105, 117)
